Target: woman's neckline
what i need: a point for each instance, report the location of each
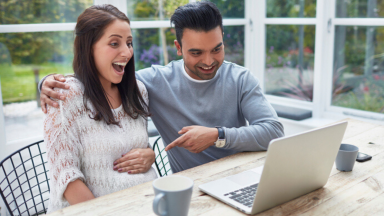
(118, 108)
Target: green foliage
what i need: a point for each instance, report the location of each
(368, 97)
(230, 8)
(355, 48)
(234, 44)
(358, 8)
(283, 44)
(150, 10)
(39, 47)
(144, 9)
(171, 5)
(18, 81)
(290, 8)
(41, 11)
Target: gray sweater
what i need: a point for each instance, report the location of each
(229, 99)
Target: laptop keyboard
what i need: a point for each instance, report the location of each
(244, 195)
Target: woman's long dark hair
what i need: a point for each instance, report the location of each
(89, 29)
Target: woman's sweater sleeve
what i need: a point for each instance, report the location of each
(61, 134)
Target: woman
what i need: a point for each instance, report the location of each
(103, 116)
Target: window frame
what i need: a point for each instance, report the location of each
(331, 110)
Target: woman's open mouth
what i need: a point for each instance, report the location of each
(119, 67)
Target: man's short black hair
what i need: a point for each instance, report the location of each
(198, 16)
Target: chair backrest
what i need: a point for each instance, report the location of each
(24, 183)
(161, 161)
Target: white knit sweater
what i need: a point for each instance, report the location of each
(79, 147)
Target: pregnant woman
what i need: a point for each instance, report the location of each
(103, 116)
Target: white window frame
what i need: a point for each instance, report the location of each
(331, 110)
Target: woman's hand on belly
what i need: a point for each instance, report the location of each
(135, 161)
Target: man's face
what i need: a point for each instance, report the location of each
(203, 52)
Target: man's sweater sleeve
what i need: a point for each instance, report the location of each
(41, 83)
(263, 121)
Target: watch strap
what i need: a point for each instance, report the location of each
(221, 132)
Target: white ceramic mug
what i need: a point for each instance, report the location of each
(172, 195)
(346, 157)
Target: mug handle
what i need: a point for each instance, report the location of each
(156, 202)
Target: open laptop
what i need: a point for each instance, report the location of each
(295, 165)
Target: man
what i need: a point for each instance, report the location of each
(200, 104)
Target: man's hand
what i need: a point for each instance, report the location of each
(195, 138)
(52, 81)
(135, 161)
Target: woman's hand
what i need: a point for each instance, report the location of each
(135, 161)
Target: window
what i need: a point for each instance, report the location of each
(30, 48)
(327, 59)
(358, 74)
(149, 49)
(290, 61)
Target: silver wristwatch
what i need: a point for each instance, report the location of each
(220, 142)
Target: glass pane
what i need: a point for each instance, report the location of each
(149, 46)
(24, 59)
(53, 11)
(359, 8)
(230, 8)
(290, 61)
(291, 8)
(234, 44)
(358, 76)
(139, 10)
(149, 49)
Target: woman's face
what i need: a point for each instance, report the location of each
(112, 52)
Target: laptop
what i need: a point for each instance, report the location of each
(295, 165)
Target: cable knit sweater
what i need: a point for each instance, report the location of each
(79, 147)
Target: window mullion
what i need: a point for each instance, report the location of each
(359, 21)
(320, 72)
(257, 58)
(41, 27)
(291, 21)
(248, 35)
(328, 58)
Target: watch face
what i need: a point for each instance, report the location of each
(220, 143)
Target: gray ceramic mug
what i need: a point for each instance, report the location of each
(346, 157)
(172, 195)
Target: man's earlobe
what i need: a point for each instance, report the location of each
(178, 47)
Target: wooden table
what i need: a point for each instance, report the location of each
(360, 192)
